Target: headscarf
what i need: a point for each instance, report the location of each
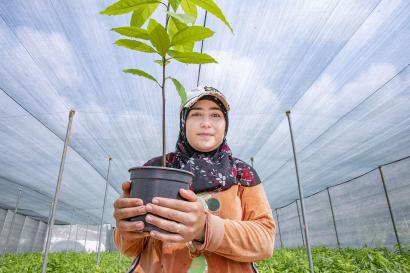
(217, 170)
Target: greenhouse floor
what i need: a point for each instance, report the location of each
(283, 260)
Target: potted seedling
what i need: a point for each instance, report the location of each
(171, 41)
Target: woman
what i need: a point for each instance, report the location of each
(225, 221)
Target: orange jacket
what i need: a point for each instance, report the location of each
(242, 231)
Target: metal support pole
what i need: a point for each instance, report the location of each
(302, 206)
(86, 232)
(102, 213)
(300, 223)
(12, 219)
(390, 209)
(57, 191)
(280, 235)
(69, 231)
(109, 241)
(48, 224)
(21, 231)
(2, 225)
(252, 161)
(333, 217)
(35, 237)
(76, 237)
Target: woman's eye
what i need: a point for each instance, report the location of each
(216, 115)
(195, 114)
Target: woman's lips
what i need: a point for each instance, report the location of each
(204, 134)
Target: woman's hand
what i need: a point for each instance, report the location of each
(185, 219)
(126, 207)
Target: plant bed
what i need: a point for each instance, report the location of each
(283, 260)
(332, 260)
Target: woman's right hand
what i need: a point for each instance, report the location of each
(126, 207)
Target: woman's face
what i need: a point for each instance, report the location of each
(205, 126)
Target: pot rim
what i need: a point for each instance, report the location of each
(162, 168)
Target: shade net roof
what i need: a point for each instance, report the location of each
(340, 67)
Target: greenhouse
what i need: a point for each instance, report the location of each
(319, 93)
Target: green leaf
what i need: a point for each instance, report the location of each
(191, 34)
(158, 37)
(175, 4)
(179, 25)
(184, 18)
(135, 45)
(125, 6)
(174, 26)
(191, 57)
(142, 13)
(140, 73)
(189, 8)
(172, 29)
(187, 47)
(213, 8)
(160, 62)
(180, 89)
(135, 32)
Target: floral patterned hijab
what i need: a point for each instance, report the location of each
(217, 170)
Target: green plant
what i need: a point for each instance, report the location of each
(173, 40)
(283, 260)
(334, 260)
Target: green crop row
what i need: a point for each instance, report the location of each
(61, 262)
(283, 260)
(329, 260)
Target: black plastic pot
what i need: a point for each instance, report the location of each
(149, 182)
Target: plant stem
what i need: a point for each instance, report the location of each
(164, 134)
(163, 115)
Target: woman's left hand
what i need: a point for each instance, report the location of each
(184, 219)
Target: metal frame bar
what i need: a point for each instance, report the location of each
(4, 222)
(333, 217)
(308, 250)
(76, 237)
(35, 236)
(12, 219)
(48, 224)
(69, 231)
(300, 223)
(21, 232)
(102, 213)
(390, 208)
(202, 46)
(280, 234)
(86, 232)
(57, 191)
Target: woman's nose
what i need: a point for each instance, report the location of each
(205, 122)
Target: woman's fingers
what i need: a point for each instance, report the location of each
(166, 224)
(125, 213)
(172, 237)
(171, 214)
(130, 226)
(126, 188)
(180, 205)
(188, 195)
(127, 203)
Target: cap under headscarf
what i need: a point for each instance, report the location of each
(216, 170)
(196, 94)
